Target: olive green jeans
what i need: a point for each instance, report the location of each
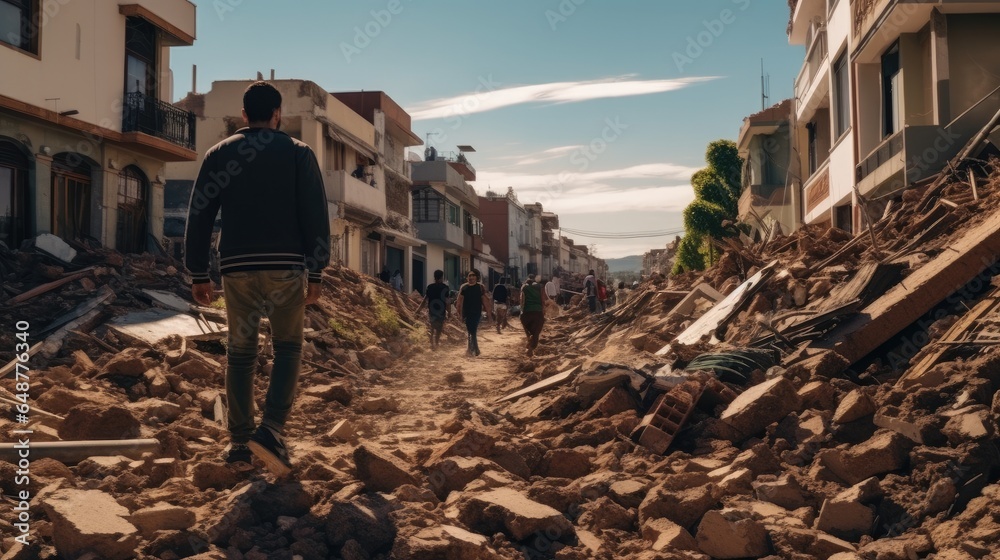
(280, 296)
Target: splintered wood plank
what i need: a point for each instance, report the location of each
(901, 306)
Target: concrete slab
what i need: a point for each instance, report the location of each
(153, 325)
(55, 247)
(168, 300)
(722, 311)
(543, 385)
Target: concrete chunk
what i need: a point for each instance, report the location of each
(884, 452)
(683, 505)
(732, 533)
(444, 542)
(162, 517)
(668, 536)
(855, 406)
(90, 521)
(511, 512)
(846, 519)
(55, 247)
(785, 492)
(380, 471)
(761, 405)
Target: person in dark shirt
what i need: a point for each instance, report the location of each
(436, 300)
(533, 300)
(276, 235)
(472, 300)
(500, 293)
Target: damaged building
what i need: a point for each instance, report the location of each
(87, 164)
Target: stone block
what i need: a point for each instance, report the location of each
(668, 536)
(454, 473)
(90, 521)
(380, 471)
(732, 533)
(162, 517)
(628, 493)
(785, 492)
(855, 406)
(514, 514)
(760, 405)
(819, 395)
(885, 452)
(565, 463)
(684, 505)
(846, 519)
(470, 442)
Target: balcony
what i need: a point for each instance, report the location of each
(150, 116)
(356, 195)
(762, 199)
(813, 67)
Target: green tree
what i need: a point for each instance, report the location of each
(689, 255)
(717, 195)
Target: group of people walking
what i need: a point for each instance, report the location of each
(474, 299)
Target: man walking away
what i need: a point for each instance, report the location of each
(590, 288)
(500, 297)
(270, 188)
(552, 289)
(436, 299)
(472, 300)
(533, 301)
(397, 281)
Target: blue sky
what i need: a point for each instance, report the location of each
(599, 109)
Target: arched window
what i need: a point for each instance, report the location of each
(14, 167)
(71, 196)
(133, 189)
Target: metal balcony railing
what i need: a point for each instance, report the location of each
(145, 114)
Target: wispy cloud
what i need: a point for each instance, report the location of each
(555, 92)
(546, 155)
(651, 186)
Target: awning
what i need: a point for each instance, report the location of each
(337, 132)
(400, 238)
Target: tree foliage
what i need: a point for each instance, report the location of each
(717, 195)
(689, 256)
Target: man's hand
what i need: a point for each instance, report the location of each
(202, 293)
(312, 294)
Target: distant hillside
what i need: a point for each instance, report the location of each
(631, 263)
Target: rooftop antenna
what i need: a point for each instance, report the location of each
(194, 78)
(765, 87)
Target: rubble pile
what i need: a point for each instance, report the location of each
(812, 396)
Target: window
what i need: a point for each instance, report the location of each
(13, 195)
(140, 57)
(813, 150)
(468, 222)
(890, 91)
(426, 206)
(842, 96)
(70, 196)
(453, 215)
(19, 24)
(132, 192)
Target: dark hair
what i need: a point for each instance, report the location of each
(438, 274)
(260, 100)
(476, 272)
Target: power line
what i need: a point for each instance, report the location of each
(622, 235)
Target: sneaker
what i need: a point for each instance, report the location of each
(269, 447)
(238, 453)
